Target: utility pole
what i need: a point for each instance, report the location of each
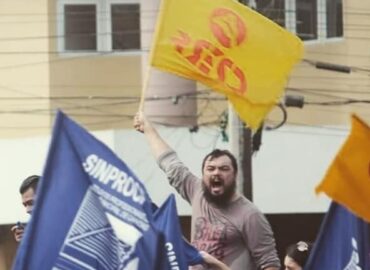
(240, 139)
(241, 143)
(246, 149)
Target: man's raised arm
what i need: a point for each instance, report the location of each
(157, 145)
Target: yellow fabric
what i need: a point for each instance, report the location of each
(228, 47)
(347, 180)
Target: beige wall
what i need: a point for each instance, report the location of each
(322, 85)
(110, 76)
(31, 69)
(8, 247)
(23, 67)
(113, 78)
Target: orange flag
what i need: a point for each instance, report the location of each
(228, 47)
(347, 180)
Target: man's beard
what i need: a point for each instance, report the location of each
(222, 199)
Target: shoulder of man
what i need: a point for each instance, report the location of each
(244, 208)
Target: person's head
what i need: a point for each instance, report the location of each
(28, 192)
(219, 169)
(297, 255)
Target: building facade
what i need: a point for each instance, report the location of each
(89, 58)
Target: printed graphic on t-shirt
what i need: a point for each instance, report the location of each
(210, 237)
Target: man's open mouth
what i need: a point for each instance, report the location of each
(216, 185)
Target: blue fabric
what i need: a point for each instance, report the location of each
(342, 243)
(179, 252)
(86, 199)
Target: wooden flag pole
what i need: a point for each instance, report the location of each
(144, 88)
(150, 58)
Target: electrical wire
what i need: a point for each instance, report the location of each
(312, 133)
(196, 95)
(362, 12)
(318, 92)
(283, 121)
(337, 103)
(335, 67)
(334, 111)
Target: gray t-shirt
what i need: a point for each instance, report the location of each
(237, 234)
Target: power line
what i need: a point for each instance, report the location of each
(199, 95)
(70, 58)
(86, 34)
(93, 123)
(318, 92)
(330, 78)
(337, 103)
(128, 86)
(336, 67)
(72, 98)
(96, 34)
(334, 111)
(341, 54)
(314, 133)
(362, 12)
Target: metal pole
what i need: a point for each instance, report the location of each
(246, 149)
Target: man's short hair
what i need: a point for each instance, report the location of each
(218, 153)
(29, 182)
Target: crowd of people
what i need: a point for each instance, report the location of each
(230, 232)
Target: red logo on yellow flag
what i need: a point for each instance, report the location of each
(230, 31)
(228, 47)
(347, 180)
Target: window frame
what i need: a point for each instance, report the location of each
(283, 11)
(290, 21)
(65, 40)
(109, 4)
(103, 27)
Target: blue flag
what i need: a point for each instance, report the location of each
(342, 243)
(180, 254)
(91, 211)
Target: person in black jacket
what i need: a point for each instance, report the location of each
(28, 194)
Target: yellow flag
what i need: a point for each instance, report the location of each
(228, 47)
(347, 180)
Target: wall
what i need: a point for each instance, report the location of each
(7, 247)
(290, 163)
(21, 158)
(24, 68)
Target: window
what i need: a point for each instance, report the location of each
(334, 18)
(125, 26)
(309, 19)
(80, 27)
(306, 19)
(272, 9)
(99, 25)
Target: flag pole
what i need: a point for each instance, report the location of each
(144, 88)
(151, 54)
